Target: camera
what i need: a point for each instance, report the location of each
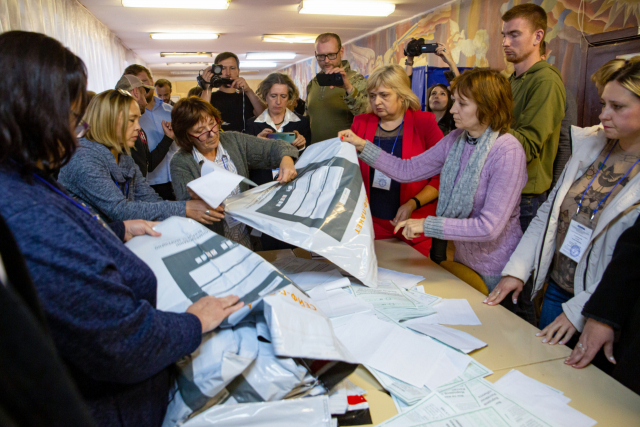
(418, 47)
(216, 81)
(334, 79)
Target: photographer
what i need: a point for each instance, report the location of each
(413, 48)
(235, 100)
(332, 108)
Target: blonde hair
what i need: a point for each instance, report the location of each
(604, 73)
(395, 78)
(628, 76)
(102, 116)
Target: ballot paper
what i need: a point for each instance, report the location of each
(392, 301)
(452, 337)
(449, 312)
(446, 368)
(474, 371)
(473, 404)
(336, 302)
(423, 298)
(299, 329)
(541, 398)
(404, 280)
(308, 412)
(406, 393)
(323, 209)
(397, 352)
(216, 183)
(190, 262)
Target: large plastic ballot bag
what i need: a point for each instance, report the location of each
(190, 261)
(324, 209)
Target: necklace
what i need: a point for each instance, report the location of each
(281, 122)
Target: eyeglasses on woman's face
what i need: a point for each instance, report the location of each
(204, 135)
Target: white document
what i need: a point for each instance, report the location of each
(474, 371)
(307, 412)
(449, 366)
(190, 261)
(299, 329)
(547, 401)
(308, 280)
(324, 209)
(431, 408)
(216, 183)
(449, 312)
(404, 280)
(389, 348)
(336, 302)
(423, 298)
(452, 337)
(406, 393)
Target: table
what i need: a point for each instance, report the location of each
(512, 344)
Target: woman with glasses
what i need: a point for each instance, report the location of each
(196, 125)
(98, 299)
(104, 176)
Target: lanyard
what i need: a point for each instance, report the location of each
(126, 186)
(396, 140)
(78, 205)
(609, 193)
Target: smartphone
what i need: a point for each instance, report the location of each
(285, 136)
(334, 79)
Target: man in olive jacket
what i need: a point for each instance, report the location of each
(539, 100)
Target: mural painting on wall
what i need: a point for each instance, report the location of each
(470, 29)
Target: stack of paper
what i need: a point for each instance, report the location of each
(449, 312)
(451, 337)
(393, 302)
(404, 280)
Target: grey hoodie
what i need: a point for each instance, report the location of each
(116, 191)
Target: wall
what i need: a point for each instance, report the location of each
(470, 29)
(75, 27)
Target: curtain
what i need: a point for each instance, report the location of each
(75, 27)
(418, 84)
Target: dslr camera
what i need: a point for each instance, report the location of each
(418, 47)
(216, 81)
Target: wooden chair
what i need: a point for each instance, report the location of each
(466, 274)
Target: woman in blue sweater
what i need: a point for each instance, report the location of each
(98, 297)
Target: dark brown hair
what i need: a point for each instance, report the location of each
(188, 112)
(135, 69)
(532, 13)
(226, 55)
(163, 83)
(194, 91)
(491, 91)
(42, 82)
(446, 89)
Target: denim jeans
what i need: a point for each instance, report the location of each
(529, 206)
(554, 297)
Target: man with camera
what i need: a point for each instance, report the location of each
(235, 99)
(336, 94)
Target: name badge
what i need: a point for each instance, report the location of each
(576, 241)
(381, 181)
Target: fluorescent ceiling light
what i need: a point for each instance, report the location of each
(186, 54)
(257, 64)
(174, 4)
(271, 55)
(184, 36)
(184, 73)
(357, 8)
(249, 72)
(170, 64)
(289, 38)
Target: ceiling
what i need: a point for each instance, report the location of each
(240, 27)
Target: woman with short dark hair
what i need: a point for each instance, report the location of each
(482, 173)
(98, 298)
(196, 125)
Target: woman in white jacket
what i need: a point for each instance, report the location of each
(570, 242)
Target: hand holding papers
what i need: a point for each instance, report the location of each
(216, 183)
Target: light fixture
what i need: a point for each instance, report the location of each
(184, 73)
(270, 55)
(182, 4)
(170, 64)
(257, 64)
(289, 38)
(357, 8)
(249, 72)
(184, 36)
(186, 54)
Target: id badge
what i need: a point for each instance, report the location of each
(381, 181)
(576, 241)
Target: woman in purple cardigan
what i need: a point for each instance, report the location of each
(482, 173)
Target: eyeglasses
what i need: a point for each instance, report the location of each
(331, 56)
(215, 129)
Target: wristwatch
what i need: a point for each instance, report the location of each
(406, 62)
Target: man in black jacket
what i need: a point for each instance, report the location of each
(613, 313)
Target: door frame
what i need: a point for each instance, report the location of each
(596, 40)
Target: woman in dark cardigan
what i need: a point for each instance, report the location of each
(98, 298)
(196, 125)
(277, 91)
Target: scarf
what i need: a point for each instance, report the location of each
(456, 199)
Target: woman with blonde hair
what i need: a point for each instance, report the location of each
(396, 124)
(103, 175)
(570, 242)
(482, 173)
